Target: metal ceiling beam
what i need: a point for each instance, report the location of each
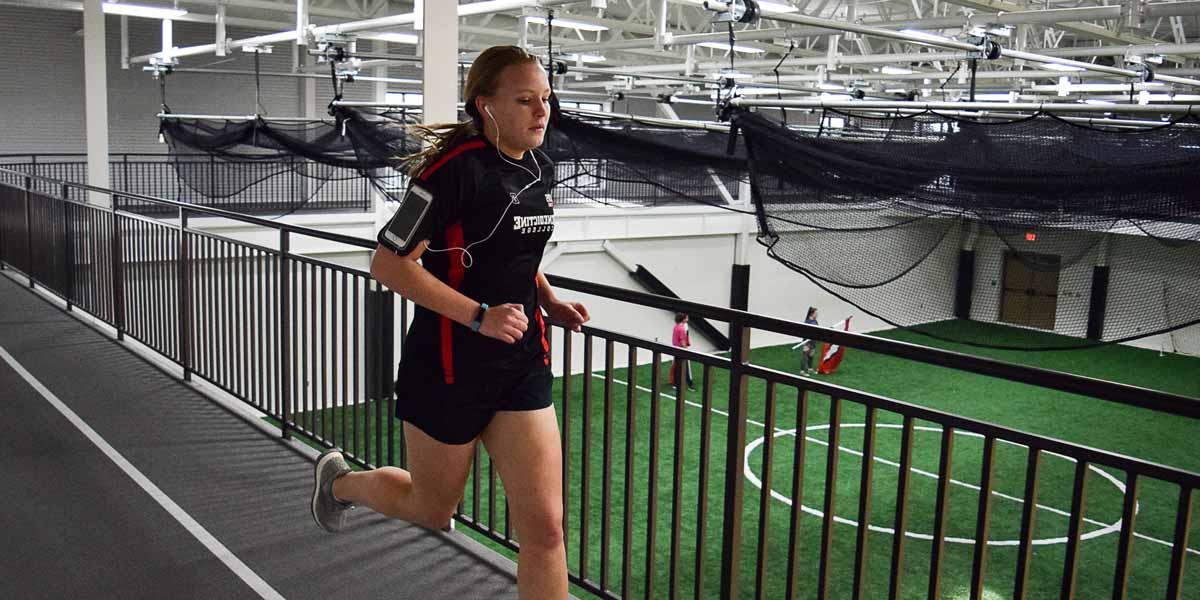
(1086, 29)
(464, 10)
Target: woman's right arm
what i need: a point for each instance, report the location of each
(404, 276)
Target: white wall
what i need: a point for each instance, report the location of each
(1139, 267)
(41, 92)
(1174, 288)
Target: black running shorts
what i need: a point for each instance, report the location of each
(457, 413)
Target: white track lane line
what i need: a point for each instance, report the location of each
(218, 549)
(890, 463)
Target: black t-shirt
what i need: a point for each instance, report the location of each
(472, 186)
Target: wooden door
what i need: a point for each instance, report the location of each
(1030, 296)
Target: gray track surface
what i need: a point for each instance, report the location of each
(75, 526)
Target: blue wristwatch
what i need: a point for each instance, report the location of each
(478, 322)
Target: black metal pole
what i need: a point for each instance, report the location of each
(185, 297)
(974, 66)
(29, 232)
(68, 250)
(735, 449)
(285, 342)
(117, 278)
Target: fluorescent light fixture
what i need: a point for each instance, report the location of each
(896, 91)
(587, 58)
(924, 34)
(1100, 102)
(775, 7)
(726, 73)
(994, 97)
(573, 24)
(1064, 86)
(736, 48)
(825, 85)
(1058, 67)
(395, 38)
(134, 10)
(890, 70)
(761, 91)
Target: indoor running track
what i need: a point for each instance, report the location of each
(221, 510)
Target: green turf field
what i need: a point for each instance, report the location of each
(1158, 438)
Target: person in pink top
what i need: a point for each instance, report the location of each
(680, 339)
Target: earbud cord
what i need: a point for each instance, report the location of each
(466, 259)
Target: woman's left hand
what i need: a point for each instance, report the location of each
(571, 315)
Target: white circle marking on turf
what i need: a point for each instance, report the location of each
(749, 473)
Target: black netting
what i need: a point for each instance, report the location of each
(1088, 232)
(310, 157)
(622, 162)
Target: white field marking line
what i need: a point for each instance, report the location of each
(213, 545)
(885, 461)
(748, 471)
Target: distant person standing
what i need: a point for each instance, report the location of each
(680, 339)
(810, 346)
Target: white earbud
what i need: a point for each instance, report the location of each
(466, 259)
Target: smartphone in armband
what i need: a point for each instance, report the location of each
(401, 232)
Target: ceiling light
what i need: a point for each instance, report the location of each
(896, 91)
(736, 48)
(133, 10)
(759, 91)
(580, 25)
(1058, 67)
(395, 38)
(1064, 86)
(1101, 102)
(587, 58)
(993, 97)
(890, 70)
(776, 7)
(728, 74)
(829, 86)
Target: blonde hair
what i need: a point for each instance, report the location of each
(482, 80)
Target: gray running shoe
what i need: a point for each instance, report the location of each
(327, 511)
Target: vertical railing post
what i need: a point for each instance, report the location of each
(29, 231)
(212, 174)
(68, 249)
(3, 228)
(125, 167)
(184, 270)
(388, 367)
(297, 189)
(117, 277)
(285, 342)
(735, 450)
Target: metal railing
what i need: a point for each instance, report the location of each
(249, 187)
(271, 187)
(312, 344)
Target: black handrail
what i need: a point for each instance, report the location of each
(1077, 384)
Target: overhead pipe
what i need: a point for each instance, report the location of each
(1049, 107)
(465, 10)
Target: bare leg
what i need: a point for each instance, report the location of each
(426, 494)
(525, 447)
